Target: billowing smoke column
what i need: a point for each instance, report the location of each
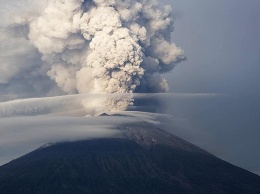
(99, 47)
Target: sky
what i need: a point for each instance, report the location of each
(221, 40)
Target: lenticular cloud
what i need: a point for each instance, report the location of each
(88, 47)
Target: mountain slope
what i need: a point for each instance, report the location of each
(143, 159)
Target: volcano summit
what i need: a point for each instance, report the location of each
(140, 159)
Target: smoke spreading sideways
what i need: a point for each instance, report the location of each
(58, 47)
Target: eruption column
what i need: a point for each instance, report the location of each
(104, 47)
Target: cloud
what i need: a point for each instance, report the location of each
(56, 47)
(83, 104)
(20, 135)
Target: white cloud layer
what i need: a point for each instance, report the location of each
(55, 47)
(20, 135)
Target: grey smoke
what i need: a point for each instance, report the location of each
(87, 47)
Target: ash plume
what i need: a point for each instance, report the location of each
(88, 47)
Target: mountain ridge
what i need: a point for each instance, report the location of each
(142, 159)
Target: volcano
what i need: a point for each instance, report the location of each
(141, 159)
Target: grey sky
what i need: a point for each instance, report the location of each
(222, 42)
(221, 39)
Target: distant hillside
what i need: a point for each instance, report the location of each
(142, 160)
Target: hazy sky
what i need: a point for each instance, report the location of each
(222, 42)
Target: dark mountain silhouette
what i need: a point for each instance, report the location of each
(143, 159)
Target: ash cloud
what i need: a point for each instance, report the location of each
(57, 47)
